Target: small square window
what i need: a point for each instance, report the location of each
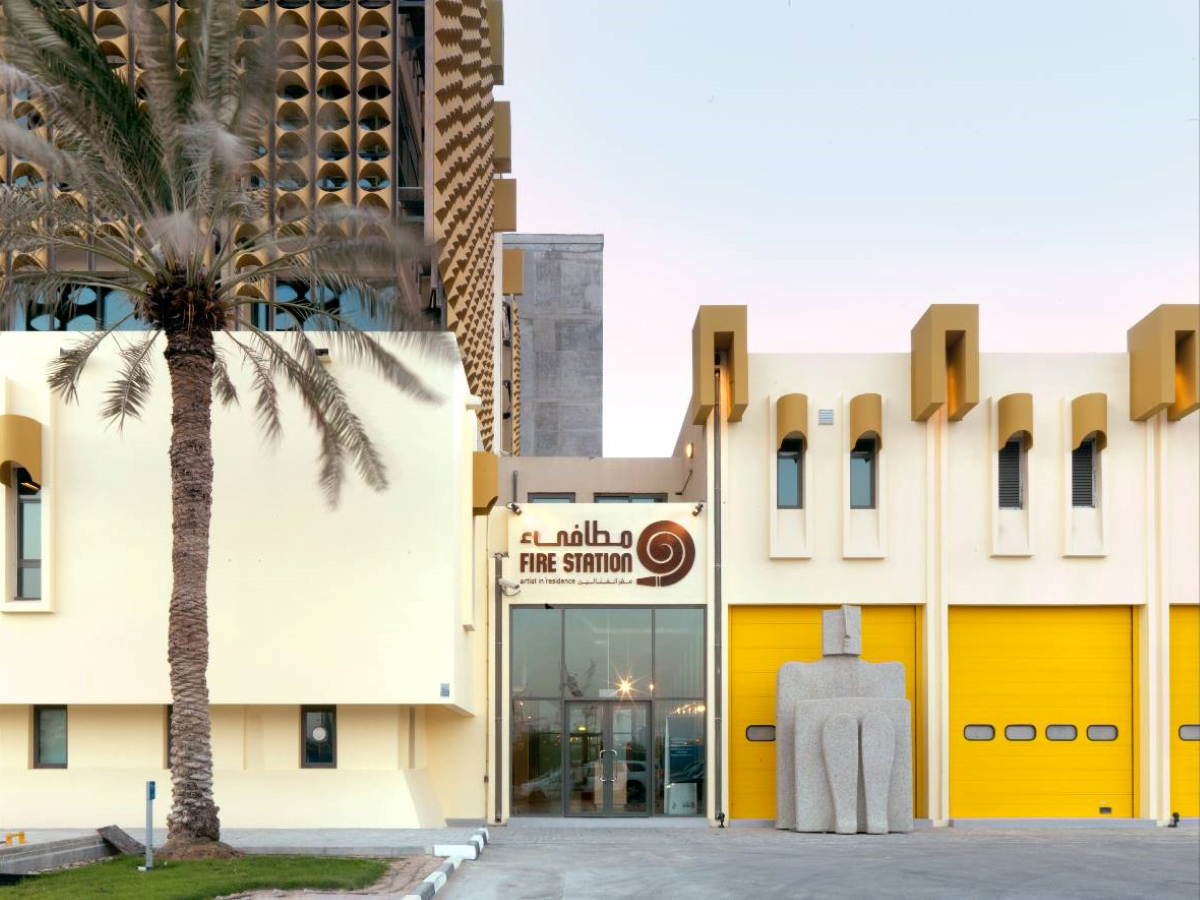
(979, 733)
(548, 497)
(318, 737)
(49, 737)
(1102, 732)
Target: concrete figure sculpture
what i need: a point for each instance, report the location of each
(843, 738)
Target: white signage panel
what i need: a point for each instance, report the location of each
(600, 552)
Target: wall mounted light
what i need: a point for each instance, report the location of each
(689, 450)
(513, 507)
(698, 508)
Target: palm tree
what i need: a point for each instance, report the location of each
(162, 203)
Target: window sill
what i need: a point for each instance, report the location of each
(44, 605)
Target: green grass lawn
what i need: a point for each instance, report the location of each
(198, 879)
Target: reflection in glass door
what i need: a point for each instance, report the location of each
(607, 763)
(585, 766)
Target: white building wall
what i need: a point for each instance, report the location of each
(825, 577)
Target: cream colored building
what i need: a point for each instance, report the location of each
(513, 637)
(370, 609)
(1021, 530)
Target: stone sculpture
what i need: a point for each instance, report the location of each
(843, 738)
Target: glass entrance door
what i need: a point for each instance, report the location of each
(607, 764)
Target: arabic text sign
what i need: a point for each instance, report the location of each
(594, 545)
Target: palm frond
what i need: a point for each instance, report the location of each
(67, 368)
(129, 391)
(223, 387)
(266, 401)
(341, 431)
(22, 142)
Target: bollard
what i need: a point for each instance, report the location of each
(149, 827)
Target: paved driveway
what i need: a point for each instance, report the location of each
(531, 863)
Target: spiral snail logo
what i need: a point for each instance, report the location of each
(667, 550)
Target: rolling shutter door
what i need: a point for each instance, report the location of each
(1185, 711)
(761, 639)
(1053, 688)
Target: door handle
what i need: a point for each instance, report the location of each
(614, 753)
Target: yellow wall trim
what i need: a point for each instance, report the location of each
(945, 361)
(506, 204)
(1164, 362)
(791, 417)
(20, 443)
(1015, 416)
(485, 481)
(866, 417)
(514, 273)
(495, 23)
(719, 328)
(1089, 415)
(502, 122)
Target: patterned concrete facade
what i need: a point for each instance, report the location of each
(560, 323)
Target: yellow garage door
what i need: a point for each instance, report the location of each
(1041, 712)
(763, 638)
(1185, 710)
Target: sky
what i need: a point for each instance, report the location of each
(839, 166)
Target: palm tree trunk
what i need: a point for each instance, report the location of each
(190, 358)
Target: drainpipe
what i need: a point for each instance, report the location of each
(498, 650)
(717, 611)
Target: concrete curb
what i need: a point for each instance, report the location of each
(27, 859)
(455, 855)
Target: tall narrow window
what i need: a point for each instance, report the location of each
(863, 459)
(49, 737)
(629, 498)
(29, 536)
(1084, 463)
(319, 737)
(1012, 475)
(789, 474)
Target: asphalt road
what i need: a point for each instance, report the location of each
(549, 863)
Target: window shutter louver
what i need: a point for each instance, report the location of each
(1083, 474)
(1010, 475)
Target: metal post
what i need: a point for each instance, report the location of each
(149, 825)
(718, 642)
(498, 634)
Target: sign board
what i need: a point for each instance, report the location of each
(598, 552)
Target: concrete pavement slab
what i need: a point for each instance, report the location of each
(550, 863)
